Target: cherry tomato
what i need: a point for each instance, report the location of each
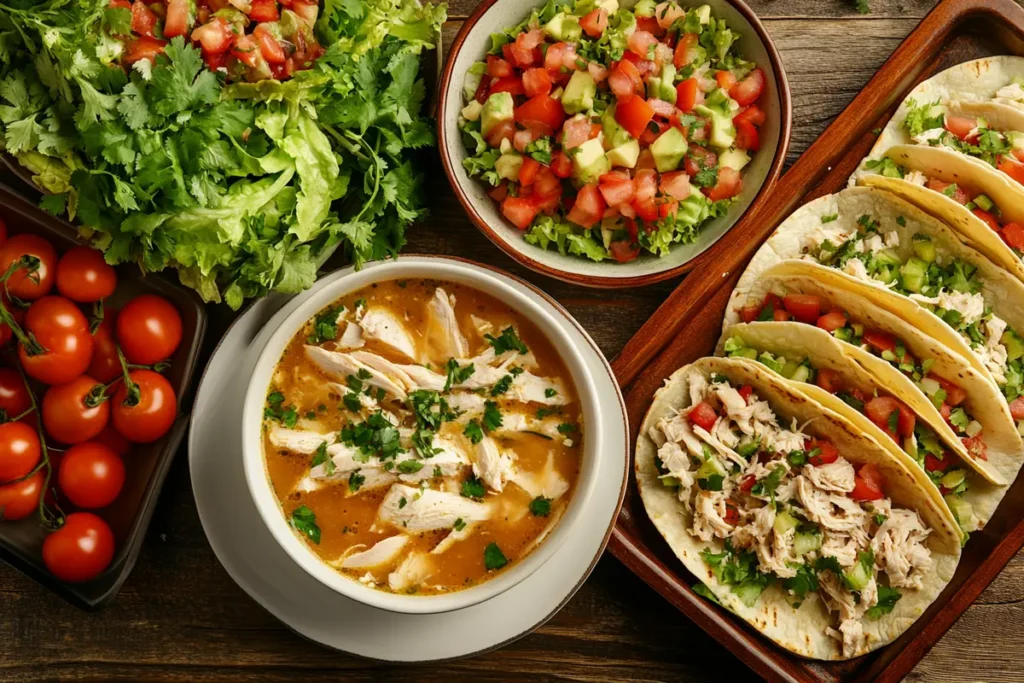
(148, 329)
(14, 398)
(24, 284)
(112, 439)
(21, 499)
(83, 276)
(104, 365)
(91, 475)
(80, 550)
(76, 411)
(148, 416)
(63, 334)
(19, 450)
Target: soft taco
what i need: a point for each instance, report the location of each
(911, 264)
(983, 206)
(895, 415)
(795, 521)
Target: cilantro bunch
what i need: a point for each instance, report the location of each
(242, 188)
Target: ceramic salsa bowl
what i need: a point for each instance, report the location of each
(471, 45)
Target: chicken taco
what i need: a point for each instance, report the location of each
(795, 521)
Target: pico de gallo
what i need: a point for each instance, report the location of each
(604, 131)
(248, 40)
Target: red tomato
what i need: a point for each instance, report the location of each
(747, 483)
(540, 111)
(828, 452)
(561, 164)
(148, 417)
(828, 380)
(148, 329)
(76, 411)
(112, 439)
(25, 283)
(498, 67)
(575, 132)
(668, 208)
(143, 19)
(832, 321)
(62, 332)
(269, 47)
(879, 410)
(945, 411)
(91, 475)
(247, 51)
(215, 62)
(976, 446)
(749, 89)
(646, 184)
(104, 366)
(906, 422)
(954, 394)
(732, 515)
(686, 51)
(642, 42)
(747, 136)
(81, 549)
(520, 211)
(616, 188)
(528, 171)
(496, 193)
(83, 276)
(264, 10)
(505, 130)
(634, 114)
(19, 450)
(143, 47)
(957, 195)
(595, 22)
(178, 19)
(556, 56)
(646, 210)
(989, 219)
(728, 186)
(753, 115)
(805, 307)
(725, 80)
(868, 483)
(483, 90)
(933, 464)
(625, 80)
(624, 251)
(14, 398)
(21, 499)
(699, 158)
(675, 184)
(1013, 235)
(588, 208)
(1017, 408)
(781, 315)
(525, 45)
(663, 108)
(745, 392)
(306, 9)
(512, 85)
(749, 314)
(880, 340)
(546, 182)
(536, 82)
(703, 415)
(686, 95)
(960, 126)
(120, 4)
(649, 25)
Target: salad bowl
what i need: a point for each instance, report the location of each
(472, 44)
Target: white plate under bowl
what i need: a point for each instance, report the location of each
(251, 556)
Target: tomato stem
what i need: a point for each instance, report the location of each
(31, 344)
(97, 316)
(131, 389)
(52, 520)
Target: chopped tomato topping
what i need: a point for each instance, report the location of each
(588, 208)
(143, 47)
(745, 392)
(933, 464)
(642, 43)
(955, 395)
(747, 483)
(536, 81)
(264, 10)
(960, 126)
(143, 19)
(528, 171)
(686, 51)
(542, 110)
(805, 307)
(688, 95)
(753, 115)
(868, 483)
(624, 251)
(1013, 235)
(781, 315)
(177, 21)
(728, 186)
(832, 321)
(634, 114)
(561, 164)
(269, 47)
(749, 89)
(510, 84)
(625, 80)
(989, 219)
(732, 515)
(829, 380)
(520, 211)
(498, 67)
(880, 409)
(1017, 408)
(675, 184)
(976, 446)
(703, 415)
(725, 80)
(879, 340)
(827, 454)
(499, 192)
(616, 188)
(747, 136)
(957, 194)
(595, 22)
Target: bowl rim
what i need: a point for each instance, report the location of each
(604, 281)
(264, 498)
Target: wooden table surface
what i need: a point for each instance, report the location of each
(180, 617)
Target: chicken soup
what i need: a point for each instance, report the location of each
(422, 436)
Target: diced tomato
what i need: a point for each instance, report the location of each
(646, 184)
(246, 51)
(218, 61)
(732, 515)
(650, 25)
(634, 114)
(575, 132)
(143, 47)
(652, 132)
(541, 111)
(668, 208)
(624, 251)
(546, 182)
(749, 89)
(521, 139)
(906, 421)
(879, 410)
(667, 12)
(177, 21)
(686, 51)
(828, 380)
(933, 464)
(306, 9)
(698, 158)
(957, 195)
(528, 171)
(597, 72)
(960, 126)
(561, 164)
(215, 36)
(867, 483)
(747, 483)
(483, 90)
(976, 446)
(832, 321)
(781, 315)
(641, 42)
(827, 454)
(955, 395)
(547, 203)
(725, 79)
(595, 22)
(264, 10)
(505, 130)
(880, 340)
(143, 19)
(675, 184)
(1017, 408)
(555, 56)
(805, 307)
(703, 415)
(988, 218)
(589, 206)
(536, 82)
(662, 108)
(747, 136)
(728, 186)
(119, 4)
(498, 67)
(687, 94)
(753, 115)
(523, 48)
(510, 84)
(749, 314)
(269, 47)
(616, 188)
(519, 210)
(945, 411)
(625, 80)
(1013, 235)
(745, 392)
(499, 192)
(645, 209)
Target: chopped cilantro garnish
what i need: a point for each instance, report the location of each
(473, 488)
(303, 520)
(887, 599)
(459, 524)
(325, 325)
(492, 416)
(540, 506)
(507, 341)
(502, 385)
(493, 557)
(473, 431)
(456, 374)
(410, 466)
(402, 502)
(355, 480)
(550, 393)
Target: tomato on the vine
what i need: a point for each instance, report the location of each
(148, 329)
(105, 365)
(23, 283)
(14, 398)
(148, 411)
(91, 475)
(83, 275)
(75, 411)
(19, 450)
(21, 499)
(80, 550)
(63, 345)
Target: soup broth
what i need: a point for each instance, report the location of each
(422, 436)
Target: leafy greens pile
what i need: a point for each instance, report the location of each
(242, 188)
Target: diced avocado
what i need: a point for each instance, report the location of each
(858, 329)
(857, 578)
(506, 146)
(734, 158)
(723, 133)
(564, 27)
(611, 6)
(804, 543)
(801, 374)
(915, 274)
(289, 22)
(719, 100)
(579, 93)
(556, 94)
(497, 109)
(924, 248)
(784, 522)
(953, 478)
(644, 8)
(745, 352)
(508, 165)
(983, 202)
(1014, 345)
(1016, 139)
(608, 228)
(711, 467)
(887, 257)
(471, 112)
(661, 87)
(961, 509)
(669, 150)
(614, 134)
(704, 13)
(789, 368)
(590, 161)
(624, 155)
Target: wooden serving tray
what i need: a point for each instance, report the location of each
(688, 324)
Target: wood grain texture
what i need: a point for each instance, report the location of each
(181, 618)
